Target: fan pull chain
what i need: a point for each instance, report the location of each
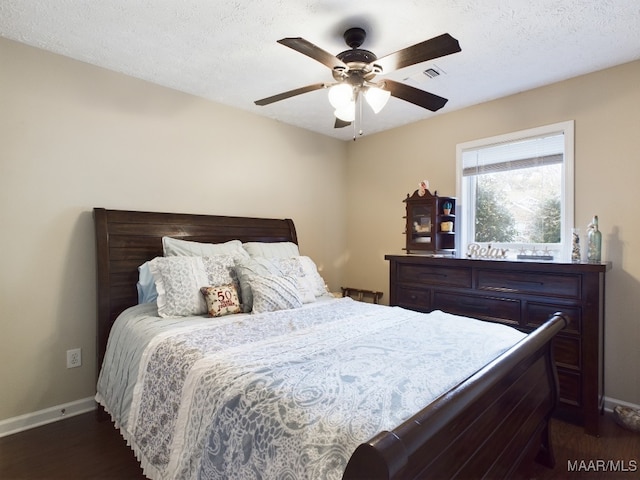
(358, 116)
(353, 125)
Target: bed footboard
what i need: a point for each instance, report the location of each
(485, 427)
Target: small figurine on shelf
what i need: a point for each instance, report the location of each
(594, 247)
(446, 208)
(423, 186)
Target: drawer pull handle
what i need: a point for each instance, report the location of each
(475, 306)
(502, 289)
(529, 282)
(432, 274)
(524, 283)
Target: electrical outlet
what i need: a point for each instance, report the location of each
(74, 358)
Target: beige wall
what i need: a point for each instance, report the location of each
(605, 105)
(73, 137)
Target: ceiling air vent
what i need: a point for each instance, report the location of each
(433, 72)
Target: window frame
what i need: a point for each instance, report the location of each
(567, 192)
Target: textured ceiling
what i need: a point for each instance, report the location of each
(226, 50)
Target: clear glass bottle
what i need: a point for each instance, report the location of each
(594, 249)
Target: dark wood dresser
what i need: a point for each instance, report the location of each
(522, 294)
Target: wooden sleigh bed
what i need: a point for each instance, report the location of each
(485, 427)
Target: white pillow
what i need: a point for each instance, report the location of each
(146, 285)
(293, 267)
(274, 292)
(246, 268)
(304, 290)
(318, 285)
(177, 247)
(221, 269)
(178, 281)
(272, 250)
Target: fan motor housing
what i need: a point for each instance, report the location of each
(357, 55)
(359, 61)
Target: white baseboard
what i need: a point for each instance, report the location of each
(611, 403)
(48, 415)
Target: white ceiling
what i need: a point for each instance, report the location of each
(226, 50)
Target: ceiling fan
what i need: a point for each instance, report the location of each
(354, 71)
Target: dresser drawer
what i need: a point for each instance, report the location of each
(547, 284)
(435, 275)
(414, 298)
(502, 310)
(570, 387)
(538, 313)
(566, 351)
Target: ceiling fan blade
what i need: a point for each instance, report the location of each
(414, 95)
(310, 50)
(436, 47)
(289, 94)
(341, 123)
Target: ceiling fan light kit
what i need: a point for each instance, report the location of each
(346, 113)
(377, 98)
(340, 95)
(354, 70)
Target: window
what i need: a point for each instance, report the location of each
(515, 192)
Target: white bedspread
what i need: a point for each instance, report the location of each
(281, 395)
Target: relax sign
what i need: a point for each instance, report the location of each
(475, 250)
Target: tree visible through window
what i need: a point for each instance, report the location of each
(516, 191)
(494, 223)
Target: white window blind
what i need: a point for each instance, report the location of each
(532, 152)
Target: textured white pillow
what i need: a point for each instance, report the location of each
(289, 266)
(176, 247)
(272, 250)
(246, 268)
(178, 281)
(317, 283)
(293, 267)
(304, 290)
(274, 292)
(221, 269)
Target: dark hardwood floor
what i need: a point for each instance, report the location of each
(587, 457)
(82, 448)
(75, 448)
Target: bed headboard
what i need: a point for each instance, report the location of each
(127, 239)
